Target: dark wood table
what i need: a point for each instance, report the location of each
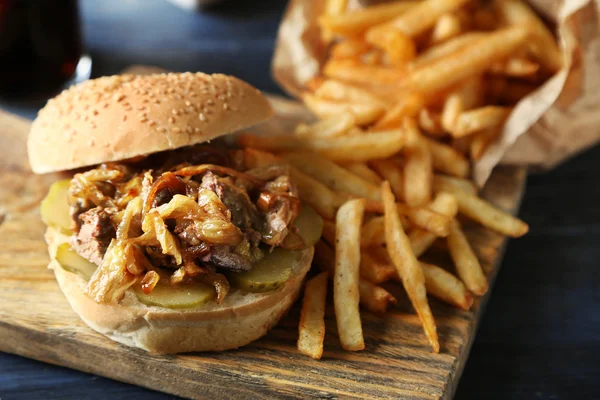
(540, 336)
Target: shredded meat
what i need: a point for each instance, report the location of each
(94, 236)
(189, 214)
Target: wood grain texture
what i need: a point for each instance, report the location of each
(37, 322)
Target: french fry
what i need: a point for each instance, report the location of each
(448, 160)
(332, 8)
(337, 125)
(313, 192)
(361, 169)
(409, 105)
(364, 113)
(430, 122)
(482, 140)
(480, 119)
(418, 174)
(348, 148)
(372, 57)
(463, 184)
(353, 23)
(346, 295)
(350, 48)
(373, 270)
(381, 144)
(543, 46)
(483, 212)
(468, 61)
(449, 47)
(312, 317)
(390, 171)
(416, 20)
(407, 266)
(446, 27)
(421, 239)
(419, 217)
(375, 298)
(466, 96)
(466, 263)
(332, 175)
(337, 90)
(355, 72)
(446, 287)
(516, 67)
(399, 47)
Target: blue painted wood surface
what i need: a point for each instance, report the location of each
(540, 335)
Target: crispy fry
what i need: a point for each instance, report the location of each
(374, 298)
(448, 160)
(337, 125)
(417, 19)
(480, 119)
(355, 72)
(337, 90)
(463, 184)
(346, 278)
(442, 50)
(466, 96)
(350, 48)
(390, 171)
(332, 8)
(446, 27)
(467, 266)
(359, 147)
(354, 23)
(446, 287)
(313, 192)
(419, 217)
(517, 67)
(381, 144)
(399, 47)
(312, 317)
(468, 61)
(409, 105)
(420, 239)
(364, 113)
(543, 45)
(373, 270)
(430, 122)
(418, 173)
(482, 140)
(407, 266)
(332, 175)
(361, 169)
(483, 212)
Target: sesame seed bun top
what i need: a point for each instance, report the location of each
(119, 117)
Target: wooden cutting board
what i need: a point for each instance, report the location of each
(37, 322)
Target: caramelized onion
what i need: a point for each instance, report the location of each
(166, 185)
(149, 281)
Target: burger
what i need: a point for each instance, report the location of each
(164, 237)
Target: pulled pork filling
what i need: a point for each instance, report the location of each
(186, 215)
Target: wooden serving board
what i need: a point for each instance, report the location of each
(37, 322)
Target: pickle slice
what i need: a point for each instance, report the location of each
(309, 224)
(267, 274)
(176, 296)
(70, 261)
(55, 207)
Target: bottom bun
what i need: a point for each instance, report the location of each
(240, 319)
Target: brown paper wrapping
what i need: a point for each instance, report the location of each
(555, 122)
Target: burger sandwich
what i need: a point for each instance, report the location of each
(163, 238)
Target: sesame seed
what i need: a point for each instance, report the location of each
(175, 111)
(124, 117)
(143, 119)
(151, 123)
(202, 117)
(188, 103)
(95, 112)
(161, 129)
(176, 129)
(171, 120)
(141, 107)
(225, 106)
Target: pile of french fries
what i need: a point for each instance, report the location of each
(411, 94)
